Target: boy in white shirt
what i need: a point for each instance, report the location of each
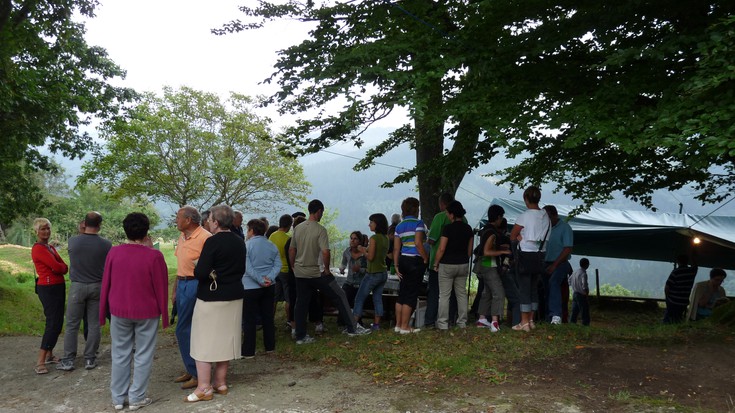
(580, 288)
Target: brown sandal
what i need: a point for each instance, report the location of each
(40, 369)
(197, 396)
(223, 389)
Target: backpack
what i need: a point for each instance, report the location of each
(478, 252)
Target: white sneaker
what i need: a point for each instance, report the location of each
(397, 329)
(483, 322)
(494, 327)
(320, 328)
(556, 320)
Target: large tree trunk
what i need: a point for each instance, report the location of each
(429, 127)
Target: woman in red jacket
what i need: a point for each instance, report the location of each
(51, 290)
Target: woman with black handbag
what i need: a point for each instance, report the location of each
(216, 326)
(528, 237)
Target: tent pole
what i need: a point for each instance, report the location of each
(597, 281)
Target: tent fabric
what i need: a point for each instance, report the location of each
(645, 235)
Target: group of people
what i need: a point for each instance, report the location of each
(229, 280)
(126, 284)
(526, 267)
(688, 301)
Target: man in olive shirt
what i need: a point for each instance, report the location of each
(184, 292)
(309, 247)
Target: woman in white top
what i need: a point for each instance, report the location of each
(530, 232)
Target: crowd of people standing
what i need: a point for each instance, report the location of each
(229, 281)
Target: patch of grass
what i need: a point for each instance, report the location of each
(439, 360)
(167, 249)
(621, 396)
(661, 404)
(20, 311)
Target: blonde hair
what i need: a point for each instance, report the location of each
(39, 222)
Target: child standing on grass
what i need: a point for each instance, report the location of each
(581, 290)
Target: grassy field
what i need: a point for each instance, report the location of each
(20, 310)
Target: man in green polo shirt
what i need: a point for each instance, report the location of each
(435, 232)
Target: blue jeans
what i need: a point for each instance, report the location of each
(186, 297)
(432, 299)
(512, 294)
(580, 304)
(432, 302)
(553, 290)
(372, 282)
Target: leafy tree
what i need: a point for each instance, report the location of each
(65, 212)
(52, 83)
(616, 290)
(627, 96)
(366, 59)
(66, 207)
(189, 147)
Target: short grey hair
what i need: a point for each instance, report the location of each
(192, 213)
(223, 214)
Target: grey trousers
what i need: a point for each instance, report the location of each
(83, 298)
(126, 333)
(493, 296)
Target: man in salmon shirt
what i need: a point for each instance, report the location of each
(184, 293)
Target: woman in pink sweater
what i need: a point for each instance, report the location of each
(134, 296)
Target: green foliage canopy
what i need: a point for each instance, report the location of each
(627, 96)
(362, 61)
(52, 83)
(189, 147)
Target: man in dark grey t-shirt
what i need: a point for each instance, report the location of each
(87, 254)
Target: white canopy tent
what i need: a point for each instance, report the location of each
(645, 235)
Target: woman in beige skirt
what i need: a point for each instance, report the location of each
(216, 326)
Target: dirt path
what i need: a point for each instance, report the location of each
(263, 384)
(604, 379)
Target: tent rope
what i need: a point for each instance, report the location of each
(715, 210)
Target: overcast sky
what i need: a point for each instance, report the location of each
(168, 42)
